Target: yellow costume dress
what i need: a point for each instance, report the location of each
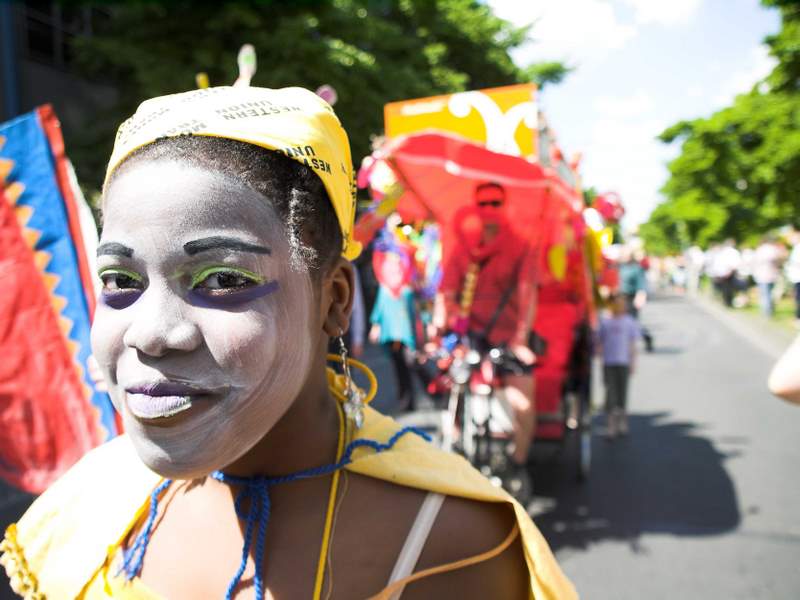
(65, 543)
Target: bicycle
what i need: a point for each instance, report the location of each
(478, 422)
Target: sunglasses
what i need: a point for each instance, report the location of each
(492, 203)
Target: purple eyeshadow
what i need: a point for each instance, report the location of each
(201, 297)
(120, 299)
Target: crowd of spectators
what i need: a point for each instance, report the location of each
(760, 274)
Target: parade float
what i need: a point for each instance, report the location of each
(436, 151)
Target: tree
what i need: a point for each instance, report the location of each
(371, 51)
(785, 47)
(546, 73)
(738, 173)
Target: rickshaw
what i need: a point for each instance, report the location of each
(430, 175)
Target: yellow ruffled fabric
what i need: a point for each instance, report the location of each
(21, 578)
(62, 547)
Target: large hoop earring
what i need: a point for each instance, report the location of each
(354, 397)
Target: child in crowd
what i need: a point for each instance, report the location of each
(617, 345)
(393, 319)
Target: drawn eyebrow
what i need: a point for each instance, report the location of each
(115, 249)
(217, 242)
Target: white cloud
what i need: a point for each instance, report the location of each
(621, 152)
(623, 155)
(572, 30)
(757, 66)
(695, 91)
(664, 12)
(637, 104)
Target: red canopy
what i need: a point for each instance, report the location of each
(439, 173)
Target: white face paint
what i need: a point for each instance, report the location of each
(203, 330)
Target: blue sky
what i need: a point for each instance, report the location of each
(641, 65)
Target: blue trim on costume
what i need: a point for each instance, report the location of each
(255, 489)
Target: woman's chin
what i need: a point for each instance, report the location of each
(176, 463)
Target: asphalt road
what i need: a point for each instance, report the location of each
(702, 500)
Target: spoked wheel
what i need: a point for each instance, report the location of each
(497, 467)
(469, 432)
(488, 452)
(520, 486)
(450, 432)
(585, 458)
(584, 435)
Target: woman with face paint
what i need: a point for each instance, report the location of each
(250, 468)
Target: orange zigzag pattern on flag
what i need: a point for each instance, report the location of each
(41, 259)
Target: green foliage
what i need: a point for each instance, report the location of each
(785, 46)
(589, 194)
(738, 173)
(371, 51)
(546, 73)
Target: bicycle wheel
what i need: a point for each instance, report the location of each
(468, 438)
(584, 436)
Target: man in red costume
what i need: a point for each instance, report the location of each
(487, 292)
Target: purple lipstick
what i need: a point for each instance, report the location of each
(161, 400)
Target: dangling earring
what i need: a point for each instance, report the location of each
(354, 405)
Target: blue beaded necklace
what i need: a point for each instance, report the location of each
(256, 491)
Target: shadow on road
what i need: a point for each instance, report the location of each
(664, 478)
(667, 350)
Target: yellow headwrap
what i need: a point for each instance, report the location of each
(293, 121)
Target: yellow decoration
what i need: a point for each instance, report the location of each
(557, 261)
(329, 514)
(468, 293)
(336, 381)
(504, 119)
(606, 237)
(594, 251)
(389, 202)
(201, 79)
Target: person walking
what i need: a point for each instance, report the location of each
(792, 271)
(695, 258)
(633, 286)
(766, 271)
(725, 262)
(617, 337)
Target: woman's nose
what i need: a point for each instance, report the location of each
(162, 324)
